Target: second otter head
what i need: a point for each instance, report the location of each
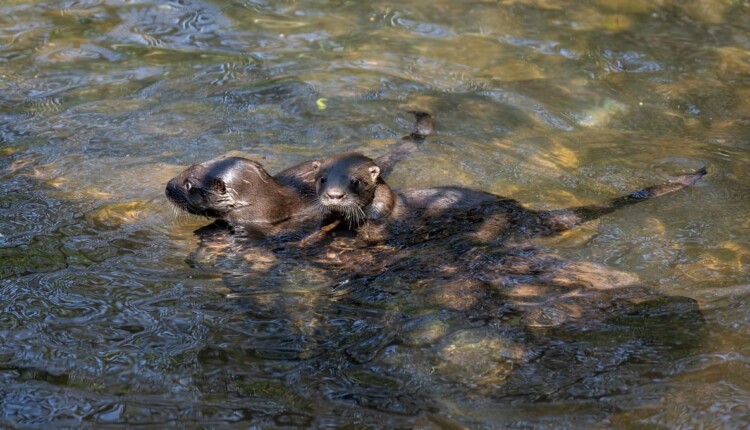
(346, 184)
(228, 188)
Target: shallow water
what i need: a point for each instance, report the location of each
(112, 312)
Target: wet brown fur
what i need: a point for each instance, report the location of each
(370, 207)
(240, 192)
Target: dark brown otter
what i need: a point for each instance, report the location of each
(241, 193)
(350, 188)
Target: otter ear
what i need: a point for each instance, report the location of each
(374, 172)
(316, 165)
(218, 186)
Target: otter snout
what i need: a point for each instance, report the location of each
(335, 194)
(174, 192)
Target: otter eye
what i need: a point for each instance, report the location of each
(323, 180)
(355, 182)
(188, 185)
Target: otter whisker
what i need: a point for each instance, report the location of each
(357, 215)
(321, 207)
(353, 217)
(361, 215)
(349, 215)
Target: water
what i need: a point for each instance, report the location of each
(113, 312)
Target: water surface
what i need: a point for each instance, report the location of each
(113, 313)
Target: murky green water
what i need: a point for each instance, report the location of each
(111, 311)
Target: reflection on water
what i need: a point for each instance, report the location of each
(112, 311)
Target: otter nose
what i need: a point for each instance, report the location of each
(335, 194)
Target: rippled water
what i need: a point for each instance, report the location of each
(114, 312)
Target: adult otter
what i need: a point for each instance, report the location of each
(350, 188)
(241, 193)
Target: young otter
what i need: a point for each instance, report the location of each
(302, 176)
(241, 193)
(350, 188)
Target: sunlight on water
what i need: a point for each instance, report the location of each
(112, 311)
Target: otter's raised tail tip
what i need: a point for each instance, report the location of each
(424, 124)
(692, 178)
(673, 185)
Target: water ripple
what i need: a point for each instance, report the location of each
(629, 62)
(173, 25)
(534, 108)
(83, 52)
(542, 46)
(112, 313)
(427, 29)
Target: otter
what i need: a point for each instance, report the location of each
(240, 193)
(350, 188)
(301, 177)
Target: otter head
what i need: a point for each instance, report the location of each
(228, 188)
(345, 184)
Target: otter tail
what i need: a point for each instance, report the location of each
(564, 219)
(423, 127)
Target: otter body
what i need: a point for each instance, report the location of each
(349, 187)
